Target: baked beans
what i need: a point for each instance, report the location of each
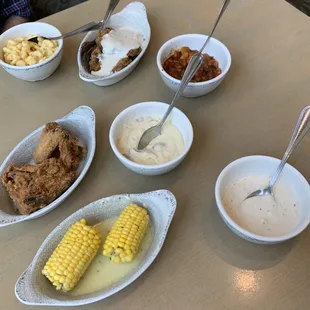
(176, 63)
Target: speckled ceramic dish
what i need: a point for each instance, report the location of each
(214, 48)
(39, 71)
(263, 166)
(32, 288)
(151, 108)
(81, 123)
(133, 16)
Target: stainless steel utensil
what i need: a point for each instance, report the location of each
(192, 67)
(301, 129)
(88, 27)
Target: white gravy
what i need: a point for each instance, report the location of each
(262, 215)
(162, 149)
(115, 46)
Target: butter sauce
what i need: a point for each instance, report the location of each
(103, 273)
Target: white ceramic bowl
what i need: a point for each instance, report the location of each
(266, 166)
(134, 16)
(81, 123)
(32, 288)
(195, 41)
(41, 70)
(177, 117)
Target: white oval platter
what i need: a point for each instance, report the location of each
(134, 16)
(81, 123)
(32, 288)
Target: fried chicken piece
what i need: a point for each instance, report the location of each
(134, 52)
(100, 34)
(92, 53)
(91, 50)
(51, 135)
(124, 62)
(86, 52)
(71, 151)
(34, 187)
(94, 63)
(59, 143)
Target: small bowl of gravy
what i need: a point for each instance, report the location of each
(265, 219)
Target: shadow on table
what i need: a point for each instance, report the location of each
(238, 252)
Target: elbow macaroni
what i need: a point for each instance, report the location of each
(21, 52)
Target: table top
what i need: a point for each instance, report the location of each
(202, 265)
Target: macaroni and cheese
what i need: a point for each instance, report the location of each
(21, 52)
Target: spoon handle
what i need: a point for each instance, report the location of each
(111, 8)
(192, 67)
(87, 27)
(301, 129)
(221, 12)
(92, 25)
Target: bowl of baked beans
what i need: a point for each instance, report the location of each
(174, 55)
(27, 60)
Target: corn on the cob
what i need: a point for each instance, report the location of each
(123, 241)
(72, 256)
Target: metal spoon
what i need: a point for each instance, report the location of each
(192, 67)
(88, 27)
(301, 129)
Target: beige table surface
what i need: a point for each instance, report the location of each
(202, 264)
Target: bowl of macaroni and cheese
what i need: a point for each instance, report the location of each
(178, 50)
(27, 60)
(163, 153)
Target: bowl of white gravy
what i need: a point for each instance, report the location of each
(165, 152)
(265, 219)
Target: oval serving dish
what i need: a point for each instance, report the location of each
(81, 123)
(134, 16)
(32, 288)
